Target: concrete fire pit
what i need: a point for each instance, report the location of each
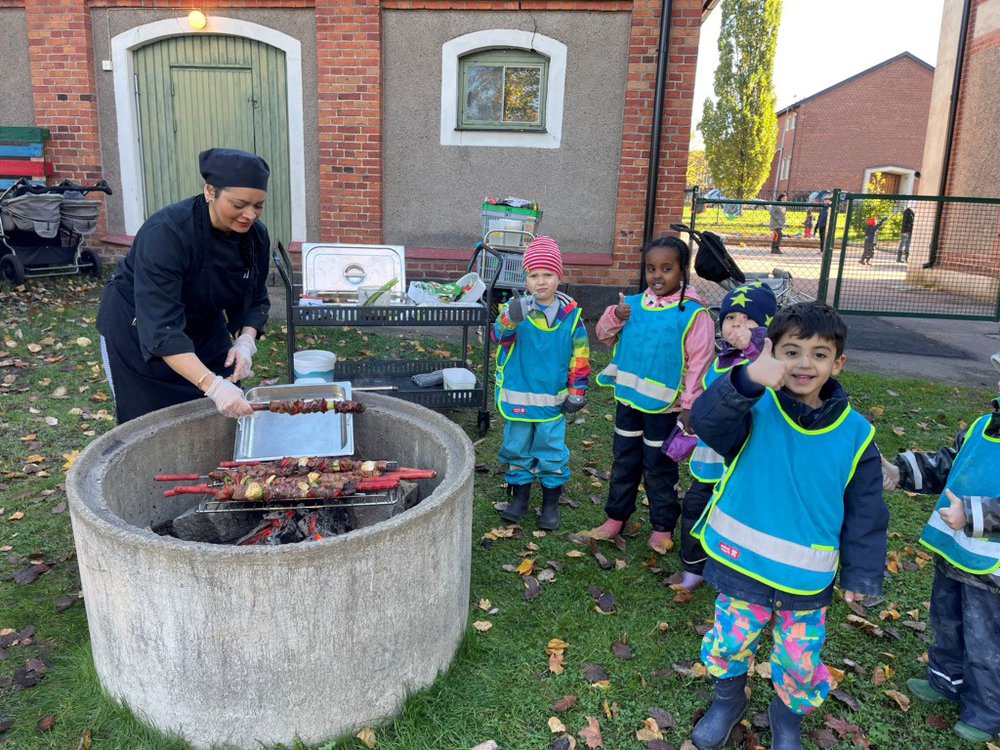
(249, 645)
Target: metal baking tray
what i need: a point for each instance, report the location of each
(265, 436)
(332, 267)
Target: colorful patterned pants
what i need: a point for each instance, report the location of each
(800, 678)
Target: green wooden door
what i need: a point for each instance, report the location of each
(203, 91)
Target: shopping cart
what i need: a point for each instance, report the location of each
(42, 230)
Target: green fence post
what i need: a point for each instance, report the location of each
(843, 248)
(828, 240)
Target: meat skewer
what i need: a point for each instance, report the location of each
(309, 406)
(306, 464)
(241, 477)
(256, 491)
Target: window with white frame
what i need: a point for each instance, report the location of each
(502, 87)
(790, 118)
(785, 168)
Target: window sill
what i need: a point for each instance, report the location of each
(501, 130)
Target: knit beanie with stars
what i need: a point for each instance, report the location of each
(756, 300)
(543, 254)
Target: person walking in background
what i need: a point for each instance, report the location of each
(821, 220)
(808, 226)
(903, 253)
(871, 235)
(777, 225)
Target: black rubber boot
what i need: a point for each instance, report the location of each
(728, 707)
(520, 497)
(549, 520)
(786, 727)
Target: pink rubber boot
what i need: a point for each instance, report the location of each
(661, 542)
(607, 530)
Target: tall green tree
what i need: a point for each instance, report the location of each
(740, 128)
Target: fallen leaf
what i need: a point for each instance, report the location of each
(527, 565)
(532, 588)
(848, 700)
(485, 604)
(605, 603)
(47, 723)
(556, 663)
(938, 722)
(83, 341)
(546, 576)
(488, 745)
(34, 458)
(622, 650)
(574, 553)
(594, 673)
(564, 704)
(763, 670)
(898, 431)
(902, 701)
(29, 574)
(592, 733)
(877, 411)
(70, 459)
(556, 726)
(86, 740)
(482, 625)
(664, 719)
(367, 737)
(650, 731)
(58, 508)
(566, 742)
(556, 645)
(15, 516)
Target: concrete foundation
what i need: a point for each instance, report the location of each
(243, 646)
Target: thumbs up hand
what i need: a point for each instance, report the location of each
(954, 515)
(766, 370)
(623, 310)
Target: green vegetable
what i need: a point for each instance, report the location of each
(373, 297)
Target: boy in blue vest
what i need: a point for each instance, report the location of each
(800, 498)
(744, 316)
(964, 662)
(543, 367)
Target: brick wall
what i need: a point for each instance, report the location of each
(877, 119)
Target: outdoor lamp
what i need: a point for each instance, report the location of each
(197, 20)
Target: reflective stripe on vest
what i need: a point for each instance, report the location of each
(747, 524)
(973, 473)
(648, 362)
(532, 373)
(706, 465)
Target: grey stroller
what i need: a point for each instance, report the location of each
(42, 230)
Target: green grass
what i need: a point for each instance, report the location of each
(499, 685)
(756, 222)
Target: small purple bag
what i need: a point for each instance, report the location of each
(679, 445)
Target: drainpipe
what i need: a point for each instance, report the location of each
(956, 85)
(654, 144)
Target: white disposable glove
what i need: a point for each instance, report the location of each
(242, 355)
(228, 398)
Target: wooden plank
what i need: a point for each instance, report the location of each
(23, 168)
(27, 150)
(23, 135)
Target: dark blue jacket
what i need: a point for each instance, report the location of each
(721, 417)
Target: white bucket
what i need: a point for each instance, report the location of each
(314, 363)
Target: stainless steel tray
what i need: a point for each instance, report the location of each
(329, 266)
(266, 436)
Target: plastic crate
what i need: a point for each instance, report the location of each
(397, 375)
(511, 270)
(498, 218)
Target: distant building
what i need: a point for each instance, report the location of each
(874, 121)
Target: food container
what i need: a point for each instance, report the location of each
(459, 379)
(314, 363)
(336, 267)
(265, 436)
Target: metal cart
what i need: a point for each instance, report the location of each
(394, 376)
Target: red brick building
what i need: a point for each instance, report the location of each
(874, 121)
(350, 100)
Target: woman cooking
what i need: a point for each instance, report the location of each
(195, 278)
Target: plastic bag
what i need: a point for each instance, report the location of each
(680, 444)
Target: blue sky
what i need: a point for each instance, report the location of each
(822, 42)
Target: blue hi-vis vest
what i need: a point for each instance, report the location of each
(648, 363)
(707, 465)
(777, 513)
(532, 373)
(973, 473)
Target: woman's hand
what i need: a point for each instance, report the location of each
(623, 311)
(241, 355)
(229, 399)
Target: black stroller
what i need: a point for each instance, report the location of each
(42, 230)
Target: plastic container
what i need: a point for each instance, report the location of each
(498, 218)
(309, 381)
(475, 293)
(459, 379)
(314, 363)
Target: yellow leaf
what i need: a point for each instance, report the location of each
(538, 533)
(890, 614)
(34, 458)
(699, 669)
(367, 737)
(574, 553)
(527, 565)
(556, 662)
(47, 341)
(601, 684)
(901, 700)
(556, 645)
(485, 604)
(15, 516)
(836, 674)
(70, 459)
(482, 625)
(898, 431)
(83, 341)
(877, 411)
(34, 348)
(556, 726)
(650, 731)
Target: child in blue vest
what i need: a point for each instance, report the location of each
(664, 341)
(801, 497)
(543, 367)
(964, 662)
(744, 314)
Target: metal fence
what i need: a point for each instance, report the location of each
(946, 266)
(745, 227)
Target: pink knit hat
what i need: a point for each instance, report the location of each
(543, 254)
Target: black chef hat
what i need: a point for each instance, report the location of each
(229, 167)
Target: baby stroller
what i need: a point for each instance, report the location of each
(42, 230)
